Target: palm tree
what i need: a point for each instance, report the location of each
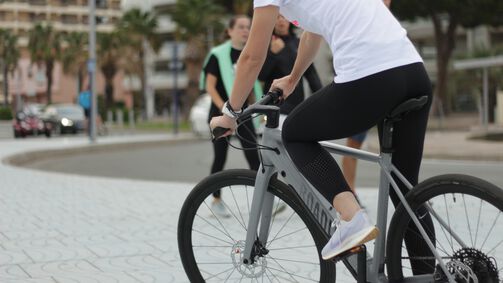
(74, 56)
(9, 55)
(109, 50)
(237, 7)
(45, 48)
(140, 27)
(192, 27)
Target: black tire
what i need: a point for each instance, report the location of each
(246, 178)
(453, 189)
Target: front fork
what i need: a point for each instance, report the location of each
(260, 212)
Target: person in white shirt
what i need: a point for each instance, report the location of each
(377, 68)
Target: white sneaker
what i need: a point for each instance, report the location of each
(349, 235)
(218, 208)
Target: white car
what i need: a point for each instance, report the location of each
(199, 117)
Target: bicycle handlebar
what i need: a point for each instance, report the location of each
(262, 106)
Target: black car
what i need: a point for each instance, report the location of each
(65, 118)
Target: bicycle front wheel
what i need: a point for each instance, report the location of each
(211, 242)
(464, 223)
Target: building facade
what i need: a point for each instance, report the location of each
(29, 80)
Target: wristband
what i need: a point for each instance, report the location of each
(228, 111)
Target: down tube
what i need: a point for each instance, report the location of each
(261, 184)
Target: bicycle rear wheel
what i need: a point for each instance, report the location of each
(465, 226)
(210, 246)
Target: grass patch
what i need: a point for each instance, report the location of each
(162, 126)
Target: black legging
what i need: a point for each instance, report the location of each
(344, 109)
(246, 132)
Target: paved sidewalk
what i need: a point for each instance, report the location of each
(68, 228)
(455, 145)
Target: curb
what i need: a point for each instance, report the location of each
(24, 158)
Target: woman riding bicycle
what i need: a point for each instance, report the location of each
(377, 68)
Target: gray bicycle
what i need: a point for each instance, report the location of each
(458, 216)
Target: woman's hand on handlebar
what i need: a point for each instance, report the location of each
(224, 122)
(286, 84)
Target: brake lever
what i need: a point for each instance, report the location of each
(218, 132)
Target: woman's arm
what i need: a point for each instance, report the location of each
(253, 55)
(308, 47)
(211, 89)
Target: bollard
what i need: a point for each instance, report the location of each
(110, 117)
(131, 119)
(120, 118)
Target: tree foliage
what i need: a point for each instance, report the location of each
(110, 51)
(140, 27)
(468, 13)
(196, 21)
(447, 16)
(45, 46)
(194, 17)
(9, 55)
(74, 55)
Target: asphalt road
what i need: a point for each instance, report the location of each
(190, 162)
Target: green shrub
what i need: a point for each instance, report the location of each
(5, 113)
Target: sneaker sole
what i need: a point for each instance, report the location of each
(367, 235)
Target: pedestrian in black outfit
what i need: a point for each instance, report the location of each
(279, 63)
(218, 78)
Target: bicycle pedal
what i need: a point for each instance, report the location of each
(353, 251)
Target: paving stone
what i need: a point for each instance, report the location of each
(66, 228)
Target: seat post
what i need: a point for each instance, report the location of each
(387, 136)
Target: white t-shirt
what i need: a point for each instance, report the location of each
(365, 38)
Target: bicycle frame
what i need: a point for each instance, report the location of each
(280, 162)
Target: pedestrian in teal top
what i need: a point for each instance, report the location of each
(217, 80)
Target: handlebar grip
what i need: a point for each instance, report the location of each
(218, 132)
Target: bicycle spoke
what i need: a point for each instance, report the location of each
(228, 234)
(215, 275)
(282, 227)
(478, 222)
(216, 228)
(214, 246)
(275, 277)
(214, 263)
(467, 220)
(284, 271)
(273, 217)
(239, 210)
(291, 233)
(292, 275)
(247, 200)
(212, 237)
(229, 276)
(495, 247)
(233, 215)
(291, 248)
(296, 261)
(490, 230)
(416, 233)
(448, 222)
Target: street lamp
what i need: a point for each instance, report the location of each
(91, 67)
